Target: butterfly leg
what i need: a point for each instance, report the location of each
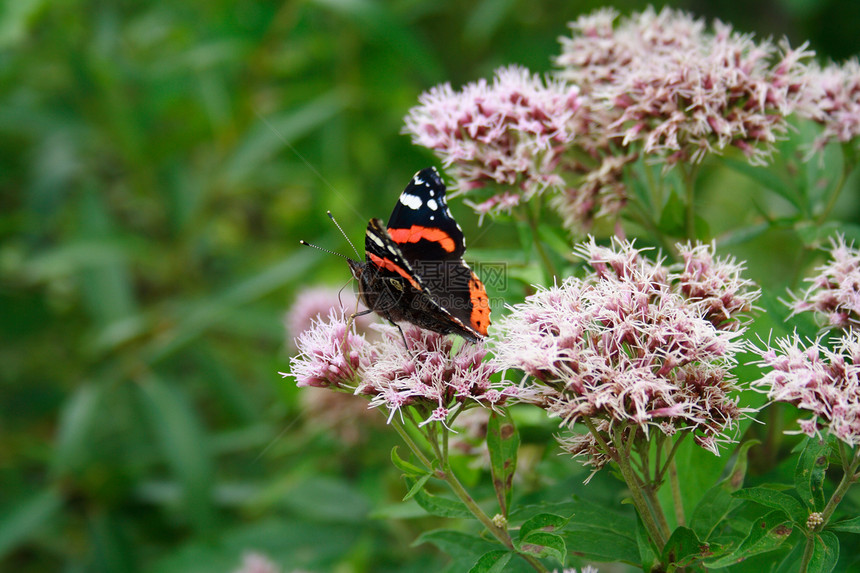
(403, 336)
(349, 323)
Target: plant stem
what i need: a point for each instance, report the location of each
(848, 162)
(676, 494)
(690, 191)
(849, 477)
(531, 218)
(633, 484)
(447, 474)
(398, 427)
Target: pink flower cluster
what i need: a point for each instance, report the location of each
(835, 291)
(833, 100)
(433, 376)
(679, 89)
(633, 343)
(316, 301)
(510, 132)
(330, 354)
(820, 380)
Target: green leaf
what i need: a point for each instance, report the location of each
(768, 179)
(809, 473)
(766, 534)
(21, 522)
(419, 485)
(457, 544)
(555, 239)
(492, 562)
(544, 522)
(503, 442)
(717, 502)
(407, 468)
(672, 218)
(684, 548)
(600, 545)
(848, 525)
(825, 553)
(275, 132)
(435, 505)
(327, 499)
(183, 445)
(541, 544)
(817, 235)
(775, 500)
(647, 554)
(78, 419)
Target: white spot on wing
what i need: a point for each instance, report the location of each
(412, 201)
(432, 204)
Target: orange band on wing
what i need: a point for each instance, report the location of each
(480, 317)
(417, 233)
(390, 266)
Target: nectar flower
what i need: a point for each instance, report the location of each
(680, 90)
(510, 132)
(832, 98)
(715, 284)
(626, 345)
(434, 377)
(835, 291)
(317, 301)
(822, 381)
(330, 355)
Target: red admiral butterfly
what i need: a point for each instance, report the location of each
(414, 269)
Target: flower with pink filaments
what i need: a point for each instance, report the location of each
(681, 90)
(835, 291)
(820, 380)
(626, 347)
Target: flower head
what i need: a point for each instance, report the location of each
(330, 354)
(822, 381)
(832, 98)
(716, 284)
(835, 291)
(314, 302)
(625, 345)
(435, 377)
(680, 90)
(510, 132)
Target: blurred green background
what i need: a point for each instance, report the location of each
(159, 162)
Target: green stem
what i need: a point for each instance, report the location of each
(690, 191)
(633, 484)
(498, 532)
(447, 474)
(670, 457)
(531, 218)
(398, 427)
(676, 494)
(849, 477)
(848, 162)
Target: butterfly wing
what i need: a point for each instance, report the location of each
(421, 223)
(433, 244)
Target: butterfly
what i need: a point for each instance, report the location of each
(414, 269)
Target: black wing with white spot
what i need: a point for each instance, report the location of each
(422, 225)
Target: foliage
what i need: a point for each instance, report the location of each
(159, 163)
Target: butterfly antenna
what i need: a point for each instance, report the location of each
(307, 244)
(345, 236)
